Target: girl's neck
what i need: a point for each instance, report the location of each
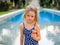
(30, 23)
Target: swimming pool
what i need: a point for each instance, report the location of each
(49, 16)
(49, 22)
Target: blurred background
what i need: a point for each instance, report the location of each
(11, 16)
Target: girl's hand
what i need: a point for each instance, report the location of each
(33, 35)
(36, 33)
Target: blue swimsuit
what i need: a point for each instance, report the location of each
(28, 40)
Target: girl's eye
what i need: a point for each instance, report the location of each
(28, 15)
(32, 16)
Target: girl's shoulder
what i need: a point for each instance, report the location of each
(21, 26)
(37, 27)
(37, 24)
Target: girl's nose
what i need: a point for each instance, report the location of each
(30, 17)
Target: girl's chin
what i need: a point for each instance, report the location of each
(29, 21)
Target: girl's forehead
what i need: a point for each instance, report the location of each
(31, 13)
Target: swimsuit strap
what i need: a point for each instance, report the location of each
(24, 25)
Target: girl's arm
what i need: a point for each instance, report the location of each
(37, 36)
(21, 34)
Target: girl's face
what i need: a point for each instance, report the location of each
(30, 16)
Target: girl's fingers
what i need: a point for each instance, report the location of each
(33, 35)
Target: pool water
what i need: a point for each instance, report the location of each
(46, 16)
(49, 25)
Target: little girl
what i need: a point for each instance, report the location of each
(30, 29)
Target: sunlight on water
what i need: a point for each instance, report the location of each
(52, 29)
(5, 32)
(1, 38)
(17, 41)
(44, 40)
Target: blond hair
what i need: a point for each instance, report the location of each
(31, 8)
